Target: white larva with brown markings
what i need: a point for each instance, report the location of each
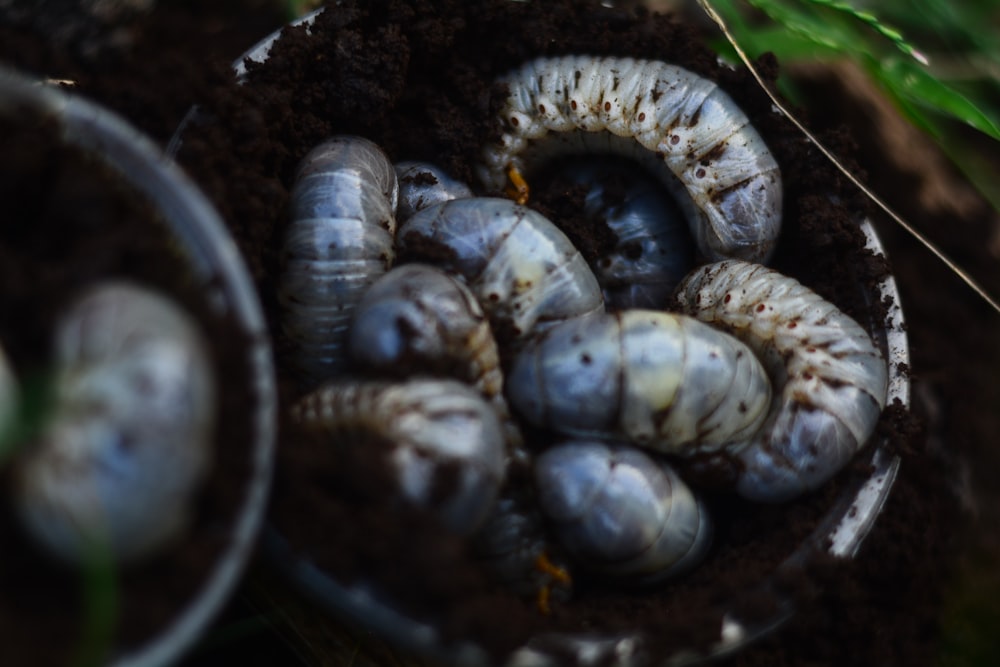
(717, 165)
(339, 241)
(830, 378)
(659, 380)
(429, 428)
(418, 319)
(525, 272)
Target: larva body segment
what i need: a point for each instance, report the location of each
(431, 429)
(129, 440)
(417, 318)
(422, 184)
(653, 248)
(830, 378)
(524, 271)
(339, 241)
(618, 511)
(721, 172)
(664, 381)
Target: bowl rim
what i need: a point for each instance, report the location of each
(219, 266)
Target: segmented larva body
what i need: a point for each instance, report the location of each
(119, 460)
(720, 170)
(653, 249)
(339, 241)
(433, 428)
(418, 319)
(524, 271)
(830, 378)
(422, 184)
(659, 380)
(618, 511)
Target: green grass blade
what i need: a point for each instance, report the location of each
(915, 84)
(789, 46)
(100, 598)
(35, 406)
(947, 25)
(875, 24)
(797, 42)
(796, 18)
(966, 156)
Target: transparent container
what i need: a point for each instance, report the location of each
(218, 269)
(840, 533)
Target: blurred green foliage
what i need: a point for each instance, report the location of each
(100, 595)
(971, 614)
(937, 60)
(296, 8)
(34, 405)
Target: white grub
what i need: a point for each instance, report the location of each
(339, 241)
(830, 378)
(416, 319)
(716, 164)
(618, 511)
(524, 271)
(660, 380)
(653, 248)
(120, 458)
(431, 427)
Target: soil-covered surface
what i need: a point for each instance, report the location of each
(415, 77)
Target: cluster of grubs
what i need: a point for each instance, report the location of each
(757, 379)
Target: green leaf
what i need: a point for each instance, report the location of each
(34, 408)
(873, 22)
(915, 84)
(799, 19)
(966, 155)
(99, 580)
(788, 44)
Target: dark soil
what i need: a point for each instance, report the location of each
(415, 77)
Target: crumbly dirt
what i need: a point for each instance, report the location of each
(415, 77)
